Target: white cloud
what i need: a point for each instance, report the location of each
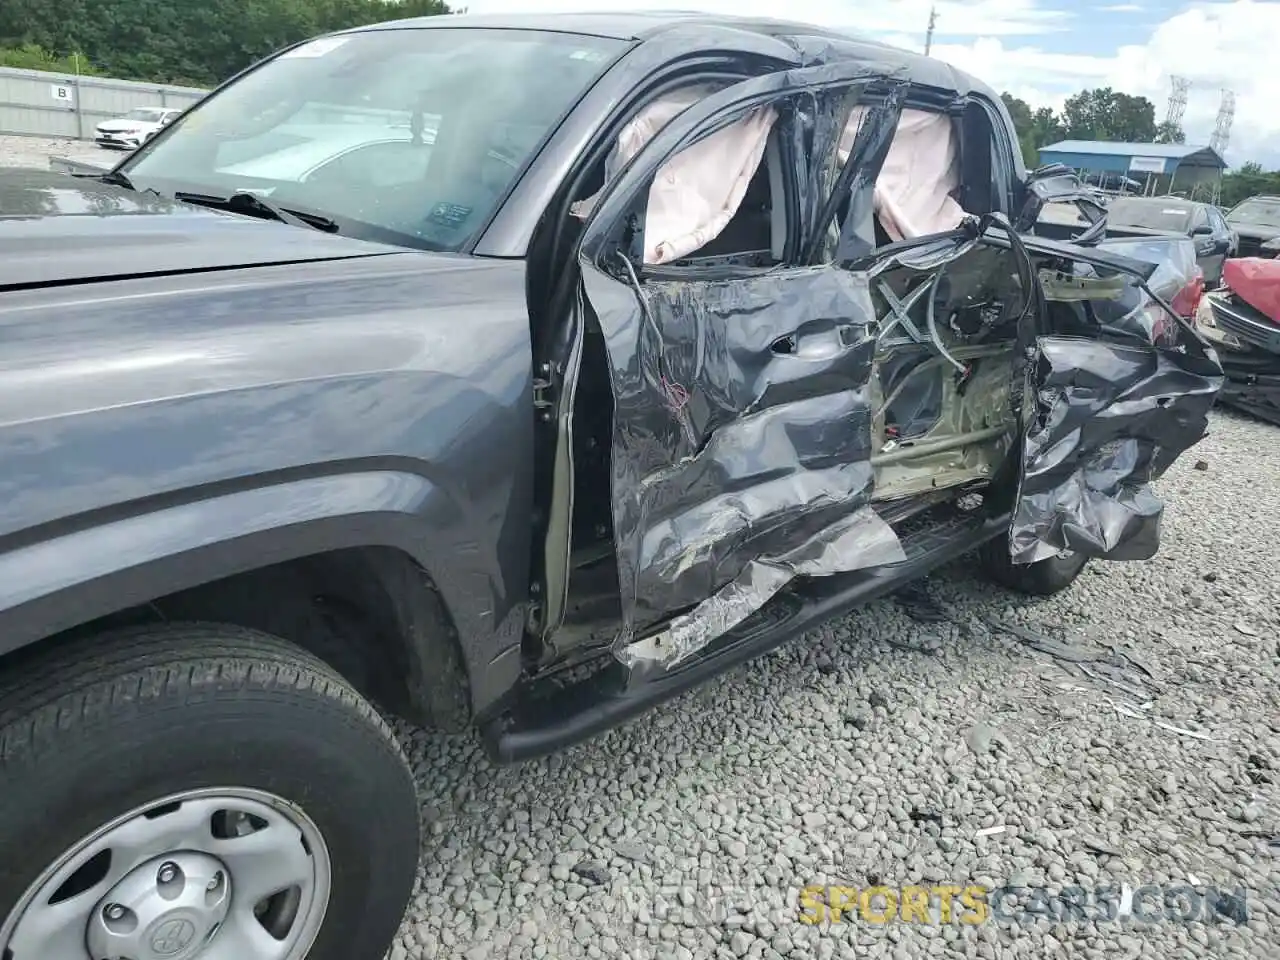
(1214, 45)
(1228, 44)
(1122, 8)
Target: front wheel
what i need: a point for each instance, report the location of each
(1040, 579)
(202, 792)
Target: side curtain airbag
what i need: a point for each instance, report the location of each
(697, 192)
(913, 195)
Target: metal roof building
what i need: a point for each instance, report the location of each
(1161, 167)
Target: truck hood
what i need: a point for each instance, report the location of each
(55, 228)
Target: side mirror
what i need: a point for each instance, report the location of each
(1202, 230)
(1055, 182)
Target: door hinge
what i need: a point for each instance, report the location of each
(544, 393)
(533, 618)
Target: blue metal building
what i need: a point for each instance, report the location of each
(1157, 167)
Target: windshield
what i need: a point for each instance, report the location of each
(1264, 213)
(407, 136)
(1149, 215)
(144, 113)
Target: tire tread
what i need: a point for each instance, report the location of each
(94, 677)
(1040, 579)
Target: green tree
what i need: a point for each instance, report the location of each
(201, 42)
(31, 56)
(1035, 128)
(1106, 114)
(1019, 111)
(1247, 181)
(1168, 132)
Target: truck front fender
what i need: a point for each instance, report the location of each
(62, 578)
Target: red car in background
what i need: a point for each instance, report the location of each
(1243, 321)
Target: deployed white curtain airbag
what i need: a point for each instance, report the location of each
(913, 192)
(697, 192)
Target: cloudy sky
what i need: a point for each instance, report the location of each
(1045, 50)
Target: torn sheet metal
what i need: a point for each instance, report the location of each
(1121, 389)
(741, 427)
(859, 541)
(742, 406)
(1109, 418)
(856, 185)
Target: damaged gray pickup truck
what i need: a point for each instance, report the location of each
(518, 374)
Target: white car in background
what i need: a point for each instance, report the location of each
(133, 129)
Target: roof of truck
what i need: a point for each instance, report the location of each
(641, 25)
(620, 25)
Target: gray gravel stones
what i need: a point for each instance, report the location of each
(858, 755)
(986, 762)
(35, 151)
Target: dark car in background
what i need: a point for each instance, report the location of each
(1174, 216)
(1256, 222)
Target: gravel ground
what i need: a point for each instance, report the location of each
(36, 151)
(1124, 733)
(875, 750)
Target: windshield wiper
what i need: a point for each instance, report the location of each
(116, 178)
(254, 205)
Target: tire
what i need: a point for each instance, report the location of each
(105, 727)
(1043, 578)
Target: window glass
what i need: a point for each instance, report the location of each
(1150, 214)
(1257, 212)
(415, 132)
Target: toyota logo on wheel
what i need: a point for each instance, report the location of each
(173, 937)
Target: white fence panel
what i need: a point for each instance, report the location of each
(39, 104)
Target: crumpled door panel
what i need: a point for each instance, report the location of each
(1109, 418)
(762, 440)
(742, 424)
(1115, 404)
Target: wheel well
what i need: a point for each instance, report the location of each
(371, 613)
